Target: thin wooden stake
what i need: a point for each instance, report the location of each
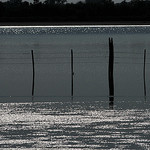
(144, 69)
(33, 73)
(72, 73)
(110, 72)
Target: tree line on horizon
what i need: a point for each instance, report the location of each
(60, 10)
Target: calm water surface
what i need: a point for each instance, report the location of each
(52, 119)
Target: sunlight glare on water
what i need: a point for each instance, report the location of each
(74, 29)
(74, 125)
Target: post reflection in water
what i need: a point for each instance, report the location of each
(111, 102)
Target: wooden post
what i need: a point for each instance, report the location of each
(33, 72)
(72, 73)
(110, 72)
(144, 77)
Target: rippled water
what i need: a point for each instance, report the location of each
(52, 118)
(86, 124)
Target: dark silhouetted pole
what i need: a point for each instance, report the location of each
(33, 77)
(110, 72)
(72, 73)
(144, 77)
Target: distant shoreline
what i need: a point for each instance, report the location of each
(74, 23)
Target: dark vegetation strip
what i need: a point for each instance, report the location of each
(106, 10)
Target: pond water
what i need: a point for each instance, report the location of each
(88, 120)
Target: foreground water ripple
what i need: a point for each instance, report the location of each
(72, 125)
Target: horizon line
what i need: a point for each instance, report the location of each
(77, 26)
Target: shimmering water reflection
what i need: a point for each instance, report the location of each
(86, 124)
